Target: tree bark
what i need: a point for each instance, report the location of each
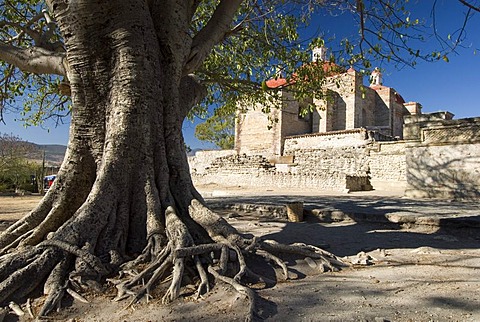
(33, 60)
(124, 195)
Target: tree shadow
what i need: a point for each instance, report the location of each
(354, 223)
(444, 170)
(369, 222)
(351, 298)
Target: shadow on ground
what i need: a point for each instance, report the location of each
(446, 225)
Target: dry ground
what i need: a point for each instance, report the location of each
(418, 274)
(13, 208)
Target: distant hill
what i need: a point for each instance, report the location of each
(54, 153)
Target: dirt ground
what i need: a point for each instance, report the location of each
(12, 208)
(415, 274)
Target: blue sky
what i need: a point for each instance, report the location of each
(451, 86)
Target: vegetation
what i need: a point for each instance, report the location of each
(17, 170)
(135, 69)
(218, 129)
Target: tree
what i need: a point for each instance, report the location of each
(218, 129)
(15, 168)
(124, 196)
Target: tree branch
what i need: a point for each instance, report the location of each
(213, 32)
(33, 60)
(35, 35)
(192, 92)
(471, 6)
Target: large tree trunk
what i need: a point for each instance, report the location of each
(124, 195)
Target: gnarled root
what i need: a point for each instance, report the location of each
(19, 283)
(224, 258)
(189, 250)
(244, 290)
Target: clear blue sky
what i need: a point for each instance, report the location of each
(437, 86)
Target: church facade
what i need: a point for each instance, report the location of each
(348, 104)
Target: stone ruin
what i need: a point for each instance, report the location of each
(356, 142)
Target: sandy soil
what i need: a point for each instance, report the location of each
(416, 274)
(13, 208)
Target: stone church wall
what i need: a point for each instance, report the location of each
(291, 121)
(382, 107)
(257, 132)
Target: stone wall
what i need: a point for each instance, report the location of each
(387, 164)
(338, 167)
(335, 155)
(202, 161)
(441, 161)
(261, 129)
(292, 122)
(445, 161)
(367, 104)
(413, 124)
(355, 157)
(383, 101)
(257, 171)
(341, 160)
(258, 132)
(322, 116)
(354, 137)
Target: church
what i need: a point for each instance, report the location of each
(357, 137)
(349, 104)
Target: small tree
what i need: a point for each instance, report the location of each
(219, 130)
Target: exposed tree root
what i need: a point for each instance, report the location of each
(244, 290)
(224, 259)
(184, 259)
(87, 257)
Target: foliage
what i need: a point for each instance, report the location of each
(219, 130)
(16, 167)
(264, 43)
(24, 25)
